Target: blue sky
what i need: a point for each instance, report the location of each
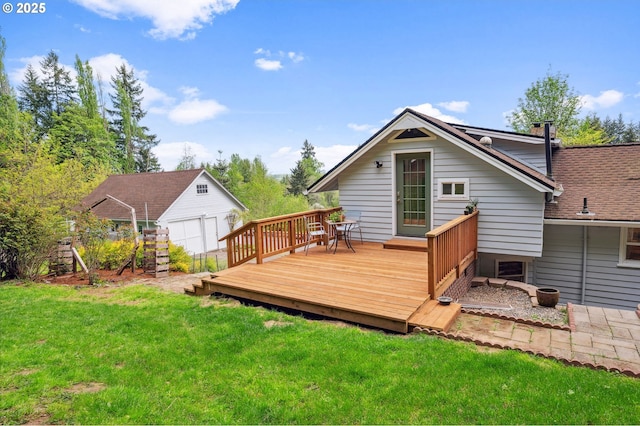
(258, 77)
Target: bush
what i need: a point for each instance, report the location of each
(28, 237)
(114, 253)
(179, 259)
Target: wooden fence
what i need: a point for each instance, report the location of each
(156, 252)
(262, 238)
(451, 248)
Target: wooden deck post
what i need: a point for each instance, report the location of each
(259, 244)
(431, 266)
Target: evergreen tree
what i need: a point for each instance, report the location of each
(307, 170)
(589, 132)
(58, 83)
(298, 179)
(34, 100)
(133, 141)
(219, 170)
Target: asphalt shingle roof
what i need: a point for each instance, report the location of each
(157, 190)
(607, 175)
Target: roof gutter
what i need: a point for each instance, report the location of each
(592, 222)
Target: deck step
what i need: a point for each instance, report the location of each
(405, 244)
(434, 316)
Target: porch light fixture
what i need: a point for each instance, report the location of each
(378, 164)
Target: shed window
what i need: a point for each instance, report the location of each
(630, 247)
(453, 189)
(202, 189)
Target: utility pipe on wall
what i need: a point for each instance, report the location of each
(583, 289)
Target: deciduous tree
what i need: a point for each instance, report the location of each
(550, 98)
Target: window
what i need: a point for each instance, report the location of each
(453, 189)
(202, 189)
(513, 270)
(630, 247)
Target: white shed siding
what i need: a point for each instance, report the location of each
(209, 209)
(606, 284)
(511, 213)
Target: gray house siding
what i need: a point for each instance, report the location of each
(530, 154)
(511, 213)
(606, 284)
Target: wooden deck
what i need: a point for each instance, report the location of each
(375, 287)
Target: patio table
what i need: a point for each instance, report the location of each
(342, 228)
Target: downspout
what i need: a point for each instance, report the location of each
(583, 288)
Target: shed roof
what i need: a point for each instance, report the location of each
(607, 175)
(150, 194)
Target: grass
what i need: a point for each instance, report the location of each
(137, 355)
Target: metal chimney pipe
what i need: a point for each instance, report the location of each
(547, 146)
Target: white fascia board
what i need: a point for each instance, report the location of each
(593, 222)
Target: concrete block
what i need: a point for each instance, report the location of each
(497, 282)
(479, 281)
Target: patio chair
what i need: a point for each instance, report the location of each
(314, 230)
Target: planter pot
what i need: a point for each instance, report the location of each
(548, 297)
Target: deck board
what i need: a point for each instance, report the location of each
(375, 287)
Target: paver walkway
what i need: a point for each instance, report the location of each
(601, 338)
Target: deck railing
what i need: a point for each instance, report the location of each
(451, 248)
(262, 238)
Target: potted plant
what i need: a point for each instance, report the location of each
(337, 216)
(548, 297)
(471, 207)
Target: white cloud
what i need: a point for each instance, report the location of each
(17, 74)
(455, 106)
(268, 65)
(431, 111)
(332, 155)
(193, 111)
(606, 99)
(105, 67)
(369, 128)
(171, 19)
(170, 154)
(284, 159)
(295, 57)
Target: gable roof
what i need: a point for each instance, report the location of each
(152, 193)
(510, 165)
(607, 175)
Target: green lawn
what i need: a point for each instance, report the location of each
(139, 355)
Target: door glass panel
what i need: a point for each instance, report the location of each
(414, 190)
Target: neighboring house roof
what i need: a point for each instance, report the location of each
(607, 175)
(150, 194)
(329, 180)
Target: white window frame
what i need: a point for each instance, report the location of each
(202, 189)
(458, 181)
(623, 261)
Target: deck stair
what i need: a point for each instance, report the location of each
(406, 244)
(434, 316)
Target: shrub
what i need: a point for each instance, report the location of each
(179, 259)
(28, 237)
